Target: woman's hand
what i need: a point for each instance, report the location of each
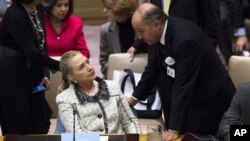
(45, 81)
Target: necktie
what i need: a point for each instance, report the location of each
(166, 4)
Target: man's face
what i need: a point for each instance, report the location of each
(148, 33)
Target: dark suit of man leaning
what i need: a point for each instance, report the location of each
(201, 89)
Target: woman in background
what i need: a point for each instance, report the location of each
(63, 30)
(100, 105)
(118, 35)
(24, 65)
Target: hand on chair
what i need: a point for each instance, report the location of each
(131, 52)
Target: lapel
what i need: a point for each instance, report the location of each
(167, 49)
(114, 37)
(169, 38)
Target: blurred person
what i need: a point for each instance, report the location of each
(100, 105)
(64, 31)
(232, 28)
(204, 13)
(4, 4)
(24, 65)
(238, 113)
(118, 35)
(200, 85)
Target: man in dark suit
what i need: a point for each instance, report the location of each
(238, 113)
(201, 87)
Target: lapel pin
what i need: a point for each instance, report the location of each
(169, 61)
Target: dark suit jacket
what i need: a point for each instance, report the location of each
(204, 13)
(238, 112)
(201, 90)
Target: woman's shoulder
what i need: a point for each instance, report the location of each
(106, 26)
(75, 19)
(113, 87)
(66, 96)
(15, 11)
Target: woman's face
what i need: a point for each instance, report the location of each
(60, 10)
(82, 70)
(108, 11)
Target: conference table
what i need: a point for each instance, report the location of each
(105, 137)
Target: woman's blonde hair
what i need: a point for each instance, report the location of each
(122, 8)
(65, 68)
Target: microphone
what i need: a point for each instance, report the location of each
(75, 111)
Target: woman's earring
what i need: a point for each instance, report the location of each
(75, 82)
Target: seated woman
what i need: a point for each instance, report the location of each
(64, 32)
(238, 113)
(99, 104)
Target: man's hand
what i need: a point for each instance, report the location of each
(131, 101)
(241, 43)
(131, 52)
(170, 135)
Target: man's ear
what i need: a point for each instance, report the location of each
(157, 24)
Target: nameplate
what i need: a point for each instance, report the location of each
(81, 136)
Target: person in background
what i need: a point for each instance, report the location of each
(199, 82)
(232, 28)
(118, 35)
(64, 31)
(238, 113)
(4, 4)
(99, 104)
(24, 65)
(204, 13)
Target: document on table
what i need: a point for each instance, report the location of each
(104, 138)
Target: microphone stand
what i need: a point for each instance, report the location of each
(74, 120)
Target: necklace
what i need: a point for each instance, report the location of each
(33, 16)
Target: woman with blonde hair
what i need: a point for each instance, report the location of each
(99, 104)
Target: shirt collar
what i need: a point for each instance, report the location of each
(162, 40)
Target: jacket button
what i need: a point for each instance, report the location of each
(99, 115)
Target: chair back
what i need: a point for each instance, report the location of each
(239, 69)
(120, 61)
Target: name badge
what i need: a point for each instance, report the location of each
(171, 72)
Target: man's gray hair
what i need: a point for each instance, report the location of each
(153, 14)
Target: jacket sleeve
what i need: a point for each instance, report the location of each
(104, 51)
(210, 17)
(140, 46)
(231, 116)
(129, 121)
(150, 75)
(235, 8)
(65, 111)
